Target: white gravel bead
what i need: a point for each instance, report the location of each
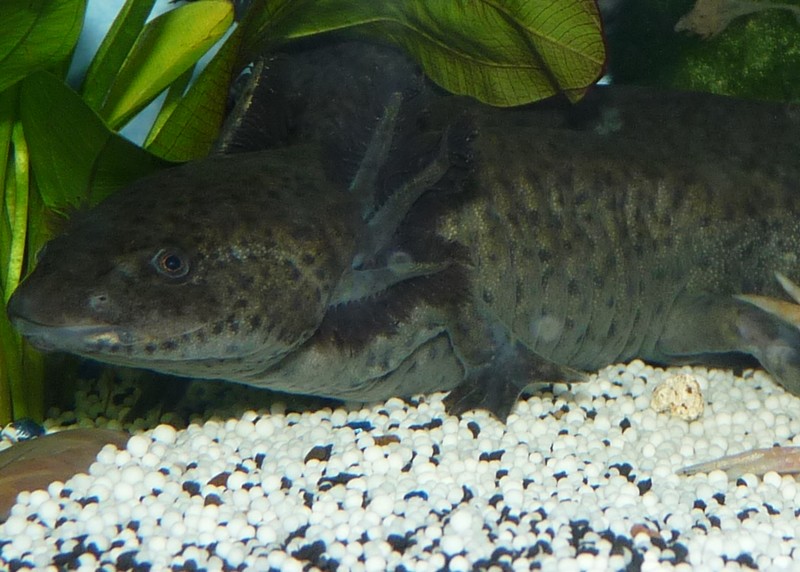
(772, 479)
(122, 458)
(123, 492)
(236, 479)
(153, 480)
(452, 544)
(137, 445)
(14, 525)
(165, 434)
(271, 483)
(382, 505)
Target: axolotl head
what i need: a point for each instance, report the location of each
(213, 269)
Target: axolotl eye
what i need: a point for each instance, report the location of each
(171, 263)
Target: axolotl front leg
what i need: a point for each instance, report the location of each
(498, 367)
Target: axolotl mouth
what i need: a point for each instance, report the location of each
(125, 346)
(80, 339)
(51, 333)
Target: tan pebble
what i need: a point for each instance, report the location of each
(679, 395)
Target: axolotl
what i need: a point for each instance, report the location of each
(452, 247)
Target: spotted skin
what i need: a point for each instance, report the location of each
(573, 239)
(255, 237)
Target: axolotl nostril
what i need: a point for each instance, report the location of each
(635, 224)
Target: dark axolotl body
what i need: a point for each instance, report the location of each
(625, 227)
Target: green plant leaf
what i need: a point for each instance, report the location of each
(502, 52)
(166, 48)
(119, 163)
(174, 96)
(8, 103)
(113, 50)
(71, 148)
(10, 372)
(35, 34)
(17, 210)
(15, 179)
(193, 125)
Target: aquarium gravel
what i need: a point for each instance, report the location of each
(582, 477)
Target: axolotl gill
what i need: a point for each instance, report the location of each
(387, 239)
